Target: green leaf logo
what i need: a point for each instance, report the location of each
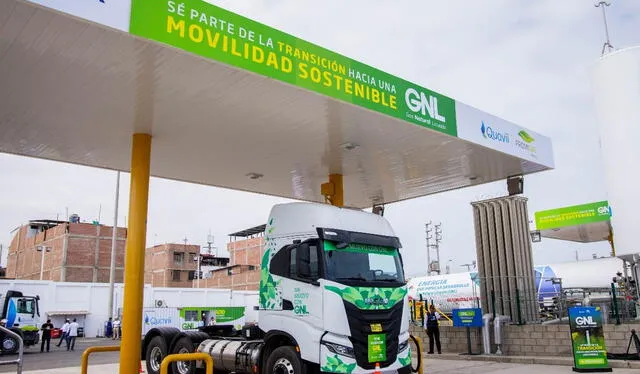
(336, 365)
(526, 137)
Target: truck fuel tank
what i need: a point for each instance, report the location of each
(239, 356)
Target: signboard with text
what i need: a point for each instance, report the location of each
(573, 215)
(470, 317)
(587, 339)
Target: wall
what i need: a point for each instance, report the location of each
(528, 340)
(246, 252)
(160, 264)
(93, 297)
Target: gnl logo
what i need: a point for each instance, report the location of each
(419, 102)
(585, 321)
(376, 300)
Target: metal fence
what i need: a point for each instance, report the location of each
(548, 301)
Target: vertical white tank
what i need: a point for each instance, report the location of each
(616, 85)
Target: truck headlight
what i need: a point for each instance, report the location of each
(403, 346)
(340, 349)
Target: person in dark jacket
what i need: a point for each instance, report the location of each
(433, 331)
(46, 335)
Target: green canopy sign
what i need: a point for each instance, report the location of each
(215, 33)
(573, 215)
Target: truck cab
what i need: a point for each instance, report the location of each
(21, 314)
(333, 283)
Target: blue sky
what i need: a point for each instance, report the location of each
(525, 61)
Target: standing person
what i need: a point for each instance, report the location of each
(65, 332)
(431, 325)
(46, 335)
(73, 334)
(116, 329)
(108, 331)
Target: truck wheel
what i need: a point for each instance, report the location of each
(156, 352)
(284, 360)
(10, 345)
(183, 345)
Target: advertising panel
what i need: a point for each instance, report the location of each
(190, 318)
(573, 215)
(471, 317)
(496, 133)
(587, 339)
(206, 30)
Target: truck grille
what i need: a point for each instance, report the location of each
(360, 325)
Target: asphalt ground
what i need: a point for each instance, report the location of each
(59, 357)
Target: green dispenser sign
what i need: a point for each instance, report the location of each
(377, 348)
(587, 339)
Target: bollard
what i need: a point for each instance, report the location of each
(84, 361)
(418, 343)
(164, 366)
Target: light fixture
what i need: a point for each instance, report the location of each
(535, 236)
(348, 146)
(254, 176)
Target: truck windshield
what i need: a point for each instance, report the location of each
(26, 306)
(359, 264)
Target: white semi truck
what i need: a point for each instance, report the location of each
(20, 314)
(333, 299)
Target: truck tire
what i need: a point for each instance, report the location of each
(156, 352)
(10, 345)
(284, 360)
(183, 345)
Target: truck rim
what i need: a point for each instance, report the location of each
(183, 366)
(283, 366)
(155, 359)
(8, 344)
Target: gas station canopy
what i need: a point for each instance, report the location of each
(584, 223)
(233, 103)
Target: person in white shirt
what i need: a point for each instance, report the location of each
(116, 329)
(73, 334)
(65, 332)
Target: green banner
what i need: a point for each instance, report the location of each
(212, 32)
(573, 215)
(193, 317)
(377, 349)
(587, 338)
(361, 248)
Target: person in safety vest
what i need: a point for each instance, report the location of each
(431, 325)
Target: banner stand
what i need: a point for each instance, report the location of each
(587, 340)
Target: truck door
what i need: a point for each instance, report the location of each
(302, 295)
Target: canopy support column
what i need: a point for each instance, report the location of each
(134, 260)
(333, 191)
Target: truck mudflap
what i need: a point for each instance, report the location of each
(333, 362)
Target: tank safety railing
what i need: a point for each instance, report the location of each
(164, 366)
(17, 361)
(420, 351)
(90, 350)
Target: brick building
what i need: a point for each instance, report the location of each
(78, 252)
(245, 251)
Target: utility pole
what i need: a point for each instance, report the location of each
(607, 43)
(114, 239)
(435, 264)
(43, 249)
(428, 238)
(1, 255)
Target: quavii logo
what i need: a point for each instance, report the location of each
(489, 133)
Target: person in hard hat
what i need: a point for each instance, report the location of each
(432, 326)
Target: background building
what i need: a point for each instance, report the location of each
(75, 252)
(245, 251)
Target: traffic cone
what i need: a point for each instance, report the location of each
(141, 370)
(377, 370)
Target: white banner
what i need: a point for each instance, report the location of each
(493, 132)
(112, 13)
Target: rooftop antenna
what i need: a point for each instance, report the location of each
(607, 44)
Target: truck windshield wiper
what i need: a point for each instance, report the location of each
(387, 280)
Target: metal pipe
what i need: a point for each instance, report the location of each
(84, 361)
(17, 361)
(497, 331)
(114, 238)
(164, 366)
(486, 339)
